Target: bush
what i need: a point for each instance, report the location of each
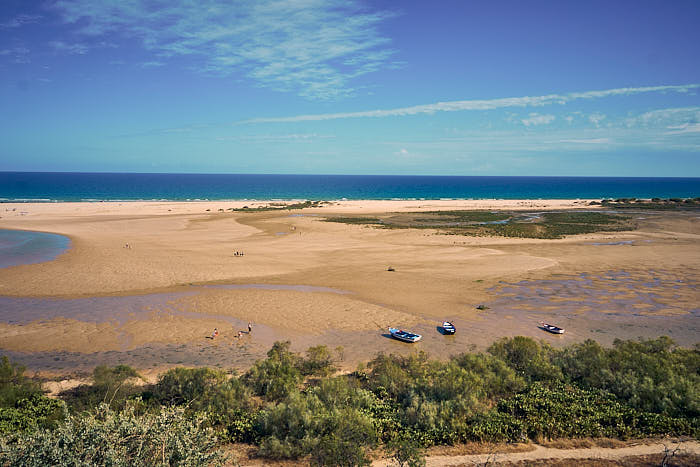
(276, 377)
(436, 399)
(224, 400)
(560, 411)
(332, 418)
(34, 412)
(14, 386)
(105, 437)
(407, 451)
(528, 358)
(111, 385)
(23, 406)
(318, 362)
(650, 375)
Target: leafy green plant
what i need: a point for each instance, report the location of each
(224, 400)
(111, 385)
(276, 377)
(33, 412)
(527, 357)
(105, 437)
(14, 385)
(318, 362)
(406, 451)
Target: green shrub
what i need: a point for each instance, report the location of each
(276, 377)
(527, 357)
(105, 437)
(544, 412)
(14, 386)
(36, 411)
(437, 399)
(333, 418)
(318, 362)
(650, 375)
(111, 385)
(406, 450)
(224, 400)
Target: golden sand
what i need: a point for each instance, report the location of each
(436, 277)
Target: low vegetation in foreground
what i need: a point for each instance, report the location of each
(293, 406)
(501, 223)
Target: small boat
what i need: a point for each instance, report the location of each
(448, 328)
(405, 336)
(551, 328)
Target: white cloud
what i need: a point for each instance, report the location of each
(489, 104)
(596, 118)
(665, 117)
(19, 21)
(71, 49)
(684, 128)
(152, 64)
(292, 137)
(20, 54)
(313, 47)
(537, 119)
(587, 141)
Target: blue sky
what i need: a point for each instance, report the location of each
(350, 87)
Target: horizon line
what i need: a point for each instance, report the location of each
(339, 175)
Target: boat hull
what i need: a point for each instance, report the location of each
(551, 328)
(404, 336)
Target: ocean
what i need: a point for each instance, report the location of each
(55, 186)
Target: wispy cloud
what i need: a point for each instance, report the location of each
(19, 21)
(286, 138)
(71, 49)
(312, 47)
(152, 64)
(666, 117)
(597, 118)
(20, 54)
(684, 128)
(538, 119)
(490, 104)
(587, 141)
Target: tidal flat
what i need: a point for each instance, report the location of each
(341, 284)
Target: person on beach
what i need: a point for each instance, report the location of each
(250, 327)
(215, 333)
(240, 334)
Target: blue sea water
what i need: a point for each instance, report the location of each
(49, 186)
(25, 247)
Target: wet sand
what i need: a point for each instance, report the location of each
(313, 282)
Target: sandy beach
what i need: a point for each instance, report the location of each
(313, 282)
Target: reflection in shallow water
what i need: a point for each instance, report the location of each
(616, 304)
(296, 288)
(624, 242)
(119, 310)
(616, 291)
(19, 247)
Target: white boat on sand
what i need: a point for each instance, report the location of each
(404, 336)
(551, 328)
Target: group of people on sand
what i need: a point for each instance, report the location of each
(215, 334)
(238, 253)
